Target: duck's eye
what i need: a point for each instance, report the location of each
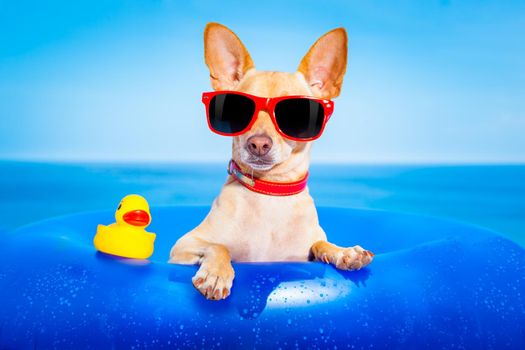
(119, 206)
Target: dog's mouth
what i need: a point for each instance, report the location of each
(260, 163)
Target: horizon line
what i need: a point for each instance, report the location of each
(164, 161)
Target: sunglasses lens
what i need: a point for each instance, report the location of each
(230, 113)
(300, 117)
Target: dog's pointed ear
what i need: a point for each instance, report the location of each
(226, 57)
(324, 65)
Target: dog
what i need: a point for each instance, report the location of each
(264, 211)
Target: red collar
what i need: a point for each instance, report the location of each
(266, 187)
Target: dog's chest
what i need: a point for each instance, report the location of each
(269, 228)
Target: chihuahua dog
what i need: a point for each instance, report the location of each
(264, 211)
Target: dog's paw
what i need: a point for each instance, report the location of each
(214, 283)
(353, 258)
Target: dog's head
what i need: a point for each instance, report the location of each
(320, 74)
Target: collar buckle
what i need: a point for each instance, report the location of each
(234, 171)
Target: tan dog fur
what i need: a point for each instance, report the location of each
(245, 226)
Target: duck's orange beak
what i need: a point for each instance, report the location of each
(136, 218)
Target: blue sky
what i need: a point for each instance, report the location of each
(427, 81)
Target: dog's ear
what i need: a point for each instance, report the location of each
(324, 65)
(225, 56)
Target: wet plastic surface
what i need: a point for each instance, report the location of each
(433, 283)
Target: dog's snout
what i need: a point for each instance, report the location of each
(259, 145)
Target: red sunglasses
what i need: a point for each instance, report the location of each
(298, 118)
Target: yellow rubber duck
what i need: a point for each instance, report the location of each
(127, 237)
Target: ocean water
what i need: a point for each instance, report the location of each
(488, 196)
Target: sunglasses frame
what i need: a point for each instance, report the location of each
(268, 104)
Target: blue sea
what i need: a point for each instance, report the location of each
(488, 196)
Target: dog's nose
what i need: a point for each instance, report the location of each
(259, 145)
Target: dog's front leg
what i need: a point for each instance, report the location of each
(352, 258)
(214, 278)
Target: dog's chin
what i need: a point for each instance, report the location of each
(259, 164)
